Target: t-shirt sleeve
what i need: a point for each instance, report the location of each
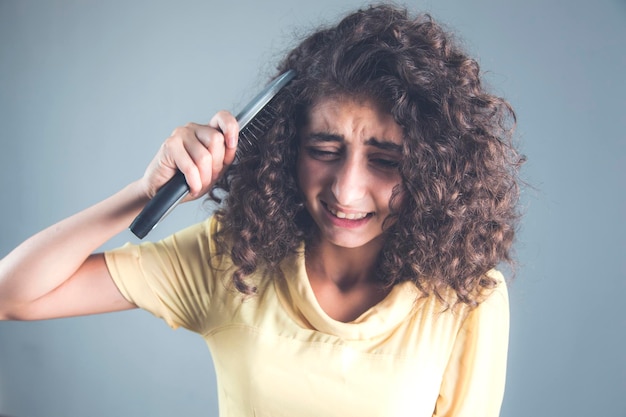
(473, 383)
(174, 279)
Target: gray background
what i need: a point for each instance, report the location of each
(88, 90)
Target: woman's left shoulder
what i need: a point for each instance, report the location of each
(498, 292)
(492, 301)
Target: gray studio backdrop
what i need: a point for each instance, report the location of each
(89, 89)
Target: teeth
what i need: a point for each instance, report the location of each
(349, 216)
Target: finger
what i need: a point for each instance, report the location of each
(175, 150)
(188, 167)
(207, 151)
(228, 125)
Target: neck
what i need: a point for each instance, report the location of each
(345, 267)
(344, 280)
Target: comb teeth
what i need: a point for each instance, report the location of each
(250, 134)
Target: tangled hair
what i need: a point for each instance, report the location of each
(458, 213)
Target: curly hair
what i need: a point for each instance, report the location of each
(458, 215)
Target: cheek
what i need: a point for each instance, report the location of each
(393, 196)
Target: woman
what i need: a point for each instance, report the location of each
(350, 268)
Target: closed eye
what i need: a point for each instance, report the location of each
(322, 154)
(385, 163)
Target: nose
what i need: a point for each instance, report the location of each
(350, 183)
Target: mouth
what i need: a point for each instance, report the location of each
(347, 216)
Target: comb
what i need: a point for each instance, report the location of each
(256, 118)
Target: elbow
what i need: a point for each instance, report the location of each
(8, 315)
(11, 312)
(12, 307)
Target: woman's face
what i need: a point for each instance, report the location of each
(348, 168)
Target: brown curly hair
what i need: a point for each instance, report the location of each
(458, 215)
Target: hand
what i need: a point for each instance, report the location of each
(201, 152)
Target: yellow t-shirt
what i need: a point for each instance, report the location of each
(278, 354)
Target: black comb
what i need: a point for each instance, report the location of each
(254, 121)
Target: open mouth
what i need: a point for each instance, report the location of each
(347, 216)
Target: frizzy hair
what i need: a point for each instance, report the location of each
(454, 215)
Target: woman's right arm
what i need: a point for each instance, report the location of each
(55, 272)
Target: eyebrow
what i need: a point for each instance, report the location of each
(383, 144)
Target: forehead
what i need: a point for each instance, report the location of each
(353, 118)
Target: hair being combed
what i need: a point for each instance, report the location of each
(457, 215)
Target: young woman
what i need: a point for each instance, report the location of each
(350, 268)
